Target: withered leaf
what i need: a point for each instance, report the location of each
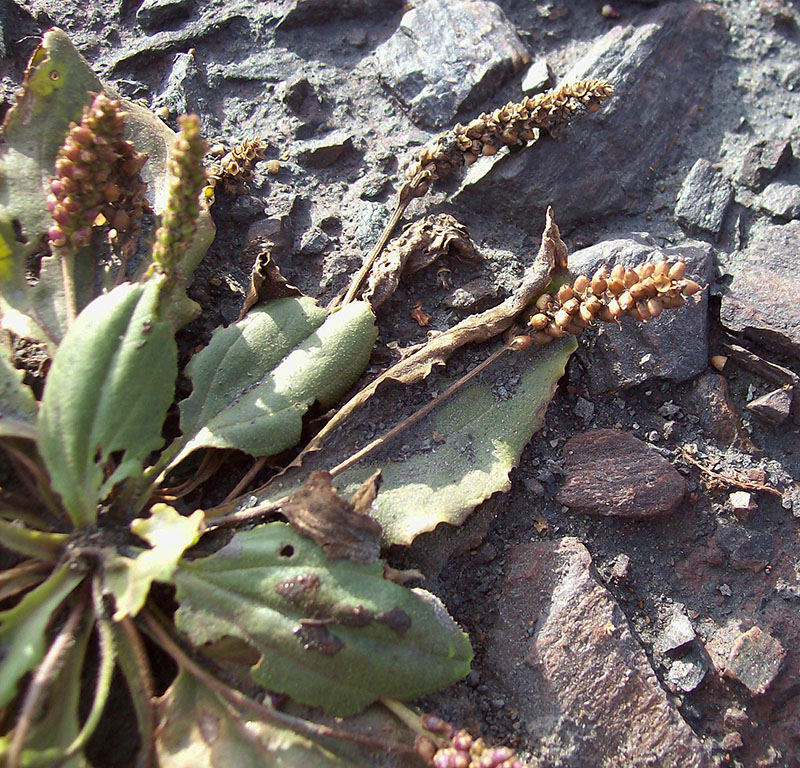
(342, 528)
(418, 246)
(266, 283)
(418, 314)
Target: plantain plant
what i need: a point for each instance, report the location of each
(104, 214)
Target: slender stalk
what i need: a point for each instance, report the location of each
(43, 678)
(244, 515)
(246, 480)
(240, 701)
(104, 673)
(403, 199)
(67, 258)
(22, 577)
(420, 414)
(412, 720)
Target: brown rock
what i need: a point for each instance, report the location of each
(755, 660)
(775, 407)
(719, 419)
(612, 473)
(581, 683)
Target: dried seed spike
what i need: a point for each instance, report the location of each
(565, 293)
(631, 278)
(690, 288)
(580, 285)
(677, 270)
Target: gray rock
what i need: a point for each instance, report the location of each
(448, 55)
(676, 634)
(470, 297)
(323, 152)
(299, 13)
(584, 409)
(762, 161)
(781, 199)
(761, 300)
(537, 78)
(673, 347)
(314, 241)
(704, 199)
(607, 159)
(774, 407)
(179, 89)
(580, 668)
(156, 14)
(686, 673)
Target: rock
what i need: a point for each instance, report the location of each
(676, 634)
(704, 199)
(774, 407)
(743, 549)
(736, 719)
(716, 412)
(584, 410)
(673, 347)
(157, 14)
(245, 208)
(732, 740)
(325, 151)
(686, 673)
(781, 199)
(537, 78)
(742, 504)
(660, 62)
(298, 13)
(762, 161)
(275, 232)
(761, 300)
(180, 87)
(755, 660)
(448, 55)
(314, 241)
(580, 668)
(612, 473)
(470, 297)
(619, 571)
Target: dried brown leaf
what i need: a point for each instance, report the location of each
(419, 246)
(342, 528)
(266, 283)
(419, 315)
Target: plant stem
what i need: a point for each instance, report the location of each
(246, 480)
(25, 575)
(43, 678)
(240, 701)
(67, 258)
(420, 414)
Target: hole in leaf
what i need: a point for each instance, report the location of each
(18, 234)
(54, 75)
(287, 550)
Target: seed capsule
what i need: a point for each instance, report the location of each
(649, 286)
(575, 330)
(540, 337)
(690, 288)
(662, 268)
(654, 306)
(518, 343)
(677, 270)
(599, 283)
(581, 284)
(638, 291)
(618, 272)
(626, 302)
(642, 309)
(555, 331)
(631, 278)
(572, 306)
(539, 321)
(593, 304)
(615, 309)
(615, 286)
(562, 318)
(489, 149)
(544, 302)
(586, 314)
(645, 270)
(565, 294)
(605, 314)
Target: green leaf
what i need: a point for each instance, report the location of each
(17, 405)
(58, 727)
(23, 627)
(199, 728)
(256, 378)
(331, 633)
(170, 534)
(108, 390)
(58, 84)
(460, 454)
